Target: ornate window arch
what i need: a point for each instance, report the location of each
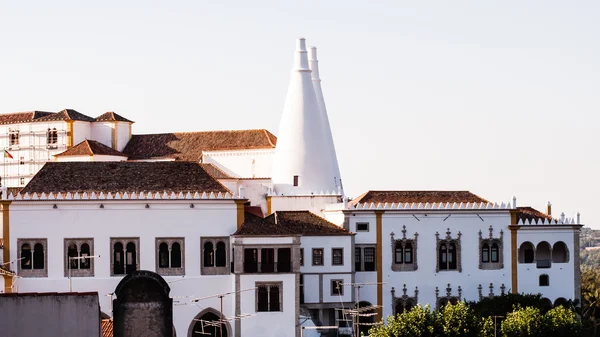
(75, 250)
(491, 252)
(404, 302)
(33, 257)
(216, 255)
(404, 252)
(491, 293)
(441, 301)
(448, 252)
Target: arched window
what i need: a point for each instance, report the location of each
(560, 253)
(452, 256)
(526, 253)
(485, 253)
(118, 259)
(221, 259)
(38, 256)
(209, 255)
(543, 255)
(263, 298)
(176, 255)
(494, 253)
(544, 280)
(398, 253)
(26, 256)
(408, 253)
(131, 258)
(443, 256)
(163, 255)
(84, 263)
(274, 303)
(72, 256)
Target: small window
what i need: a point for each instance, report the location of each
(337, 287)
(398, 253)
(125, 255)
(485, 253)
(337, 256)
(51, 136)
(250, 260)
(268, 297)
(215, 256)
(357, 259)
(21, 160)
(302, 256)
(267, 260)
(295, 180)
(494, 253)
(78, 262)
(544, 280)
(170, 256)
(22, 181)
(317, 256)
(362, 226)
(221, 254)
(408, 253)
(33, 257)
(369, 259)
(13, 137)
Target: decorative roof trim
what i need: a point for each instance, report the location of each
(165, 195)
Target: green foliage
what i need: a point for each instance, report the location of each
(561, 321)
(590, 293)
(417, 322)
(458, 320)
(523, 322)
(590, 258)
(502, 305)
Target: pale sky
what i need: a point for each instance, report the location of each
(496, 97)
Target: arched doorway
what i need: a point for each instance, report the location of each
(206, 324)
(365, 318)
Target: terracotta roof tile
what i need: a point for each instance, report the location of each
(111, 117)
(254, 210)
(107, 328)
(22, 117)
(527, 213)
(90, 148)
(417, 196)
(215, 172)
(66, 115)
(62, 177)
(289, 223)
(188, 146)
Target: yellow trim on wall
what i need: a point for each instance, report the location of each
(114, 137)
(240, 212)
(379, 257)
(69, 134)
(269, 209)
(6, 236)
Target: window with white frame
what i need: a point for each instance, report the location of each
(269, 296)
(33, 257)
(170, 256)
(77, 261)
(125, 255)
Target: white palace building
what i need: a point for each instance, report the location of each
(260, 217)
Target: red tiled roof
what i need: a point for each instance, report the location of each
(215, 172)
(188, 146)
(527, 213)
(418, 196)
(254, 210)
(65, 115)
(107, 328)
(111, 117)
(289, 223)
(170, 176)
(90, 148)
(22, 117)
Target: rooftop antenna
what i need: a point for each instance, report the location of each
(361, 311)
(221, 320)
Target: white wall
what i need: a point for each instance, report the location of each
(81, 132)
(102, 132)
(252, 163)
(123, 134)
(84, 219)
(274, 324)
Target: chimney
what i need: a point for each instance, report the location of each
(578, 218)
(514, 202)
(549, 209)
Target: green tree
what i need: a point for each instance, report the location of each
(590, 293)
(523, 322)
(418, 322)
(563, 322)
(459, 320)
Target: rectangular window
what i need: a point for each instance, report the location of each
(317, 256)
(250, 260)
(77, 263)
(284, 260)
(337, 256)
(337, 287)
(268, 297)
(267, 260)
(301, 256)
(13, 137)
(170, 255)
(125, 255)
(33, 257)
(357, 259)
(21, 160)
(295, 180)
(362, 226)
(369, 259)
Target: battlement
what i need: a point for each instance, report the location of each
(122, 196)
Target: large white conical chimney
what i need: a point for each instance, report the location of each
(305, 162)
(316, 79)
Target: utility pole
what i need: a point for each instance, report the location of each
(364, 311)
(69, 267)
(495, 317)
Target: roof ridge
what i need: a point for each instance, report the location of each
(205, 131)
